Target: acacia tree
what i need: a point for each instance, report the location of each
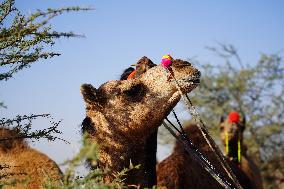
(256, 91)
(23, 41)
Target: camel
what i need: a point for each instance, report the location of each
(181, 171)
(234, 129)
(124, 114)
(23, 164)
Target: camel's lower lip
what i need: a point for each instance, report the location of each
(191, 80)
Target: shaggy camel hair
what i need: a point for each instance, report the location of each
(247, 164)
(181, 171)
(124, 114)
(28, 167)
(150, 146)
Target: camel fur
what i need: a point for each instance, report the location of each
(23, 164)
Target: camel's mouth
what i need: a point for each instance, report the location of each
(191, 80)
(187, 84)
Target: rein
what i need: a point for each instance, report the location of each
(193, 150)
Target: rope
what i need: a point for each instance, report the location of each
(193, 151)
(181, 128)
(206, 135)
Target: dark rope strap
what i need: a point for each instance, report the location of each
(218, 154)
(173, 126)
(180, 125)
(193, 151)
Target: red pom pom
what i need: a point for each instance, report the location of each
(234, 117)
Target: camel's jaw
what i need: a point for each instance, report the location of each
(187, 84)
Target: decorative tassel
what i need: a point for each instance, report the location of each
(239, 148)
(166, 63)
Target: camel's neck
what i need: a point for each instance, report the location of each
(234, 149)
(116, 153)
(151, 159)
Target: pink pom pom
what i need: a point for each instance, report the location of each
(167, 61)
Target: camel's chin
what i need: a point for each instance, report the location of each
(187, 87)
(175, 98)
(188, 84)
(190, 88)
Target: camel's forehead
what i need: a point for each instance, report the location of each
(229, 126)
(115, 86)
(110, 86)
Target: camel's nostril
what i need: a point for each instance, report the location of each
(197, 73)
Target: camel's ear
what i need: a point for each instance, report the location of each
(222, 119)
(244, 120)
(244, 123)
(89, 94)
(126, 73)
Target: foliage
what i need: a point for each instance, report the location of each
(24, 125)
(23, 39)
(256, 91)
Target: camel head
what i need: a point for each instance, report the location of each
(232, 126)
(135, 107)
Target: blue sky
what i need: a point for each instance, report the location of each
(118, 33)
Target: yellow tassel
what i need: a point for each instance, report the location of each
(226, 143)
(239, 149)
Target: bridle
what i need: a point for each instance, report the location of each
(193, 151)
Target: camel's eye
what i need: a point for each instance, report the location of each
(222, 128)
(135, 92)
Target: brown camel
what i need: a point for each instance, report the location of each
(28, 167)
(234, 128)
(181, 171)
(124, 114)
